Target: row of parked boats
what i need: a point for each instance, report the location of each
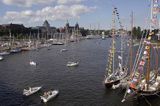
(25, 46)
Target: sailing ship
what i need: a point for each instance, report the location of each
(114, 76)
(66, 40)
(124, 83)
(13, 46)
(145, 81)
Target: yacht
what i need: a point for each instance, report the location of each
(72, 64)
(31, 90)
(32, 63)
(49, 95)
(1, 58)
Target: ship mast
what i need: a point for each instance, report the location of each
(148, 65)
(153, 25)
(113, 38)
(131, 44)
(122, 32)
(156, 65)
(111, 64)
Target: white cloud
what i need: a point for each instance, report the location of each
(26, 3)
(60, 12)
(68, 1)
(29, 3)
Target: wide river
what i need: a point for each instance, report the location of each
(79, 86)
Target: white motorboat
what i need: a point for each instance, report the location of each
(58, 43)
(63, 50)
(28, 48)
(1, 58)
(4, 53)
(30, 91)
(32, 63)
(72, 64)
(103, 37)
(49, 95)
(16, 50)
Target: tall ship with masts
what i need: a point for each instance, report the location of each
(145, 80)
(114, 75)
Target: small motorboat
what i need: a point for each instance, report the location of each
(58, 43)
(63, 50)
(32, 63)
(72, 64)
(30, 91)
(16, 50)
(49, 95)
(28, 48)
(4, 53)
(48, 48)
(103, 37)
(1, 58)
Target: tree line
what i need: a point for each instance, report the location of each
(138, 33)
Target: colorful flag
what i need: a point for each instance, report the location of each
(142, 63)
(119, 57)
(147, 47)
(145, 52)
(140, 69)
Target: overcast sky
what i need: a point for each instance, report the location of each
(86, 12)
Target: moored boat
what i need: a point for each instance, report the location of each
(145, 81)
(57, 43)
(113, 80)
(115, 74)
(4, 53)
(16, 50)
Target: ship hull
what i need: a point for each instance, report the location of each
(141, 93)
(148, 93)
(110, 84)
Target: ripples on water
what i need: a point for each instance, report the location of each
(79, 86)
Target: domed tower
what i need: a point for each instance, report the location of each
(67, 24)
(46, 29)
(67, 27)
(46, 24)
(77, 26)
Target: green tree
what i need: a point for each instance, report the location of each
(139, 33)
(134, 32)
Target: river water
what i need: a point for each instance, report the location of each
(79, 86)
